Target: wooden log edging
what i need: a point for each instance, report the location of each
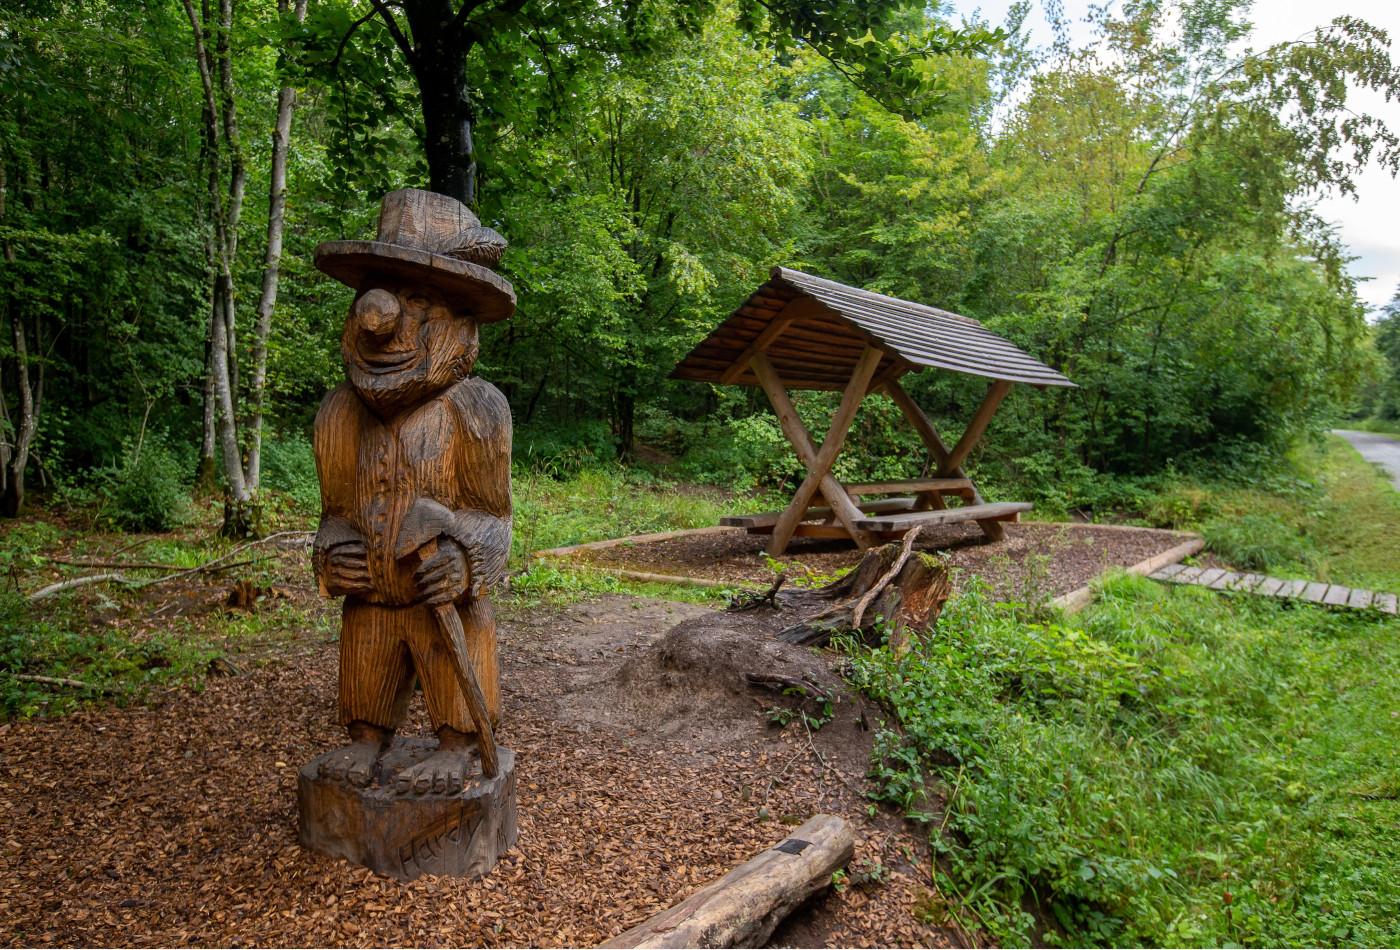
(743, 908)
(680, 580)
(630, 539)
(1077, 600)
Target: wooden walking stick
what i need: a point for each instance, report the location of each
(450, 624)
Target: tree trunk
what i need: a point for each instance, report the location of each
(626, 424)
(439, 61)
(272, 260)
(12, 499)
(223, 152)
(206, 476)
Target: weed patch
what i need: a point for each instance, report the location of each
(1173, 767)
(53, 661)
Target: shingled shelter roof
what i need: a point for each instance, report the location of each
(814, 332)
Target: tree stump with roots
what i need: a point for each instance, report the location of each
(893, 589)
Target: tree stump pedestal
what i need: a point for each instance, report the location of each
(406, 836)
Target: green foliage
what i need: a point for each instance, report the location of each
(1257, 542)
(290, 467)
(21, 545)
(649, 163)
(148, 490)
(599, 503)
(1381, 397)
(1163, 770)
(55, 644)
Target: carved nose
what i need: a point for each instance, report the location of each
(378, 314)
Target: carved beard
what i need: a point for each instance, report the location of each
(446, 353)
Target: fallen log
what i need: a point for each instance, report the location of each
(743, 908)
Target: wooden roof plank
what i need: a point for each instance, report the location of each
(838, 323)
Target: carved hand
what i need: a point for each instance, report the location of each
(444, 575)
(345, 569)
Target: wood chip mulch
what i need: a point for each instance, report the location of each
(174, 823)
(1037, 559)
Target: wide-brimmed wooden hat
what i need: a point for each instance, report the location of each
(427, 237)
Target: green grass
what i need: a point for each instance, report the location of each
(94, 636)
(1383, 426)
(601, 503)
(1324, 514)
(548, 583)
(1171, 767)
(102, 661)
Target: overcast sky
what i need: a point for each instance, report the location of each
(1369, 223)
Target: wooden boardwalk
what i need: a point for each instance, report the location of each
(1329, 595)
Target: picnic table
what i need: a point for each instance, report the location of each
(797, 331)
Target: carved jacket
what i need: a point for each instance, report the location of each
(453, 449)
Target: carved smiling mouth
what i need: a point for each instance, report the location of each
(389, 361)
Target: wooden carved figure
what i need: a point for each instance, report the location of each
(413, 455)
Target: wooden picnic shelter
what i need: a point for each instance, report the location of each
(797, 331)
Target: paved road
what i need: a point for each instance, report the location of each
(1384, 450)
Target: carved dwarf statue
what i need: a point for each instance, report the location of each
(413, 454)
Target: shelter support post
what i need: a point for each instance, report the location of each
(818, 463)
(949, 465)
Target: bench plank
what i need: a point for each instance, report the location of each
(899, 522)
(767, 519)
(912, 484)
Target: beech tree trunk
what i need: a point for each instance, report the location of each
(272, 262)
(224, 156)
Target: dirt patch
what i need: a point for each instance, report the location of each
(174, 822)
(1035, 560)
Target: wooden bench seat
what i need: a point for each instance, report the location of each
(903, 521)
(911, 485)
(767, 519)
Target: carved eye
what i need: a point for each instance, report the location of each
(419, 302)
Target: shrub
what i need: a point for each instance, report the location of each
(562, 450)
(289, 466)
(148, 489)
(1257, 542)
(1180, 506)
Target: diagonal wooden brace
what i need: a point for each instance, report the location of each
(819, 469)
(948, 466)
(980, 419)
(818, 473)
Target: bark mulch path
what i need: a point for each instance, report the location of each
(173, 823)
(1037, 559)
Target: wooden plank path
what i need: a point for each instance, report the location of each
(1329, 595)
